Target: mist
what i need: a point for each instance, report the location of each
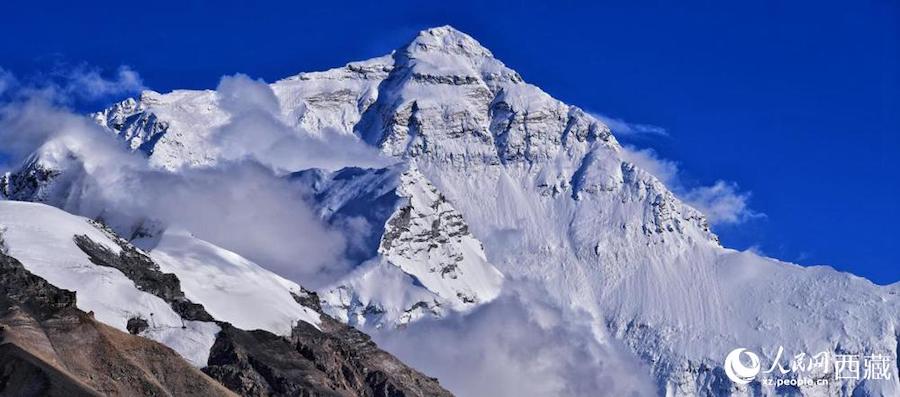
(258, 131)
(520, 344)
(243, 203)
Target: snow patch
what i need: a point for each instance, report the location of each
(230, 287)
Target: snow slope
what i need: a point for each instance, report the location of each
(230, 287)
(42, 238)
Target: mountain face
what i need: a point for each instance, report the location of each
(422, 246)
(73, 291)
(495, 180)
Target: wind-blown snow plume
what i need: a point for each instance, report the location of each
(624, 128)
(89, 83)
(722, 202)
(7, 80)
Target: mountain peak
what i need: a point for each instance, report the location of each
(447, 39)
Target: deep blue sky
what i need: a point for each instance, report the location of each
(796, 101)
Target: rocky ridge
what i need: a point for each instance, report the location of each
(320, 358)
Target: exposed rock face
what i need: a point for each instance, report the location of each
(448, 99)
(413, 235)
(136, 325)
(31, 182)
(334, 361)
(138, 267)
(18, 287)
(140, 130)
(50, 348)
(380, 372)
(258, 363)
(429, 239)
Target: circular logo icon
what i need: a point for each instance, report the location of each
(737, 371)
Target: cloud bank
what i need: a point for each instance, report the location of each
(242, 204)
(7, 81)
(258, 131)
(520, 345)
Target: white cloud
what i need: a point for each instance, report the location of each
(244, 204)
(7, 80)
(241, 205)
(647, 160)
(624, 128)
(67, 85)
(239, 94)
(520, 345)
(722, 202)
(88, 83)
(258, 131)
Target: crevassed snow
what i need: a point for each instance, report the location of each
(230, 287)
(42, 238)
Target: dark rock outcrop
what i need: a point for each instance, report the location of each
(50, 348)
(336, 360)
(371, 371)
(145, 274)
(259, 363)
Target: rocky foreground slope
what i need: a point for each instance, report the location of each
(128, 328)
(50, 347)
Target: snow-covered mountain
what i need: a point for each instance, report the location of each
(497, 177)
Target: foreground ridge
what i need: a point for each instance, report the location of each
(50, 346)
